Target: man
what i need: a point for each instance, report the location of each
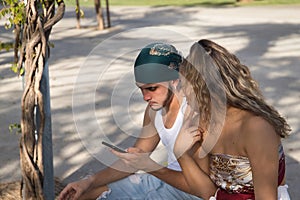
(156, 74)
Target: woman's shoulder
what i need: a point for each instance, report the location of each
(256, 124)
(257, 129)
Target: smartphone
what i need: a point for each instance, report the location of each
(114, 147)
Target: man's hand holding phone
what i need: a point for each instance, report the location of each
(118, 149)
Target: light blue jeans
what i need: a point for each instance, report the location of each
(144, 187)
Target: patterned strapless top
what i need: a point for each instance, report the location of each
(233, 173)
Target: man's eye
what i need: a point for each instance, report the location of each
(152, 89)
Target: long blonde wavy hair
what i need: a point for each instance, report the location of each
(213, 71)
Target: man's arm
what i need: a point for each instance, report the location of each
(193, 179)
(147, 142)
(140, 160)
(139, 156)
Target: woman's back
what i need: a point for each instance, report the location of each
(230, 161)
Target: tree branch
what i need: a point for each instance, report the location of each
(48, 25)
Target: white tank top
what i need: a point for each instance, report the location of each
(169, 135)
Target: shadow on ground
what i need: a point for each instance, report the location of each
(271, 49)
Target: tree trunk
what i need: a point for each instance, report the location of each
(17, 32)
(108, 14)
(99, 14)
(78, 13)
(33, 56)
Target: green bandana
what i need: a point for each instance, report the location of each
(157, 62)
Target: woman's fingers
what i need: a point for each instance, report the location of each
(193, 130)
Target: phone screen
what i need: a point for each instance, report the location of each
(114, 147)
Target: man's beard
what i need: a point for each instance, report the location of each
(167, 101)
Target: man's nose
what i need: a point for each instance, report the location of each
(146, 96)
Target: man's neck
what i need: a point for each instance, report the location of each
(169, 115)
(173, 104)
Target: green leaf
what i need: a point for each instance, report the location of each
(22, 71)
(14, 68)
(16, 127)
(51, 44)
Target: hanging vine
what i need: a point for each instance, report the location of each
(33, 21)
(39, 19)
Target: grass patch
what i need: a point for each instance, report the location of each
(205, 3)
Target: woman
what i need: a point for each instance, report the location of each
(237, 130)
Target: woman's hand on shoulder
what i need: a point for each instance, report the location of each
(189, 133)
